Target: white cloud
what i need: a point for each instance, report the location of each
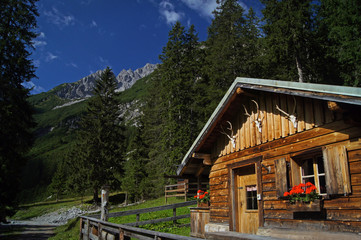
(74, 65)
(35, 89)
(50, 57)
(167, 11)
(203, 7)
(36, 63)
(39, 41)
(59, 19)
(93, 24)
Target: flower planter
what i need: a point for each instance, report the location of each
(199, 218)
(313, 206)
(203, 204)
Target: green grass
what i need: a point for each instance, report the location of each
(71, 229)
(28, 211)
(167, 227)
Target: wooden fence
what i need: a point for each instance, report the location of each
(183, 189)
(91, 227)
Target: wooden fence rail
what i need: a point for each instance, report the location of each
(184, 189)
(91, 227)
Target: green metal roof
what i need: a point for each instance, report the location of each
(349, 95)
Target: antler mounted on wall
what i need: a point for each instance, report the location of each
(231, 137)
(292, 117)
(258, 120)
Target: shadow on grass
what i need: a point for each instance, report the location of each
(27, 206)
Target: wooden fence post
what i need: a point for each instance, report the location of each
(104, 203)
(81, 229)
(174, 215)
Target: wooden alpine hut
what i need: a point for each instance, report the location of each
(269, 137)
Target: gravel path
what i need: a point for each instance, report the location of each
(40, 227)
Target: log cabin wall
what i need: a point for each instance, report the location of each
(317, 127)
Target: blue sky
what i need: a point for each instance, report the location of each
(79, 37)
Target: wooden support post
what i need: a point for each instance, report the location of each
(122, 235)
(105, 203)
(81, 229)
(138, 218)
(100, 231)
(174, 215)
(185, 191)
(87, 228)
(165, 193)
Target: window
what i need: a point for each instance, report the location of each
(313, 170)
(326, 168)
(251, 197)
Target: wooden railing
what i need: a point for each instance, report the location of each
(93, 228)
(183, 190)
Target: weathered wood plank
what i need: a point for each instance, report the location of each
(344, 215)
(268, 177)
(318, 111)
(355, 167)
(269, 195)
(278, 214)
(263, 116)
(354, 156)
(329, 116)
(223, 185)
(309, 117)
(220, 205)
(300, 110)
(269, 119)
(269, 186)
(291, 109)
(336, 226)
(343, 203)
(281, 180)
(219, 212)
(303, 136)
(313, 142)
(276, 204)
(215, 199)
(284, 120)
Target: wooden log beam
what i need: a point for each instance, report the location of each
(205, 156)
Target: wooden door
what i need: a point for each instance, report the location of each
(247, 220)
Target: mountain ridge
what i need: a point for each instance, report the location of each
(83, 88)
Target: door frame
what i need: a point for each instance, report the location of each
(231, 177)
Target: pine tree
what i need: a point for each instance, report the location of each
(58, 182)
(171, 122)
(224, 46)
(289, 37)
(135, 181)
(17, 24)
(101, 139)
(341, 21)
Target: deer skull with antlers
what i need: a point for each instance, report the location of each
(292, 117)
(258, 121)
(231, 137)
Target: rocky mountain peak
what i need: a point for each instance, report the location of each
(84, 87)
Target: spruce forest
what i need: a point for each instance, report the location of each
(304, 41)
